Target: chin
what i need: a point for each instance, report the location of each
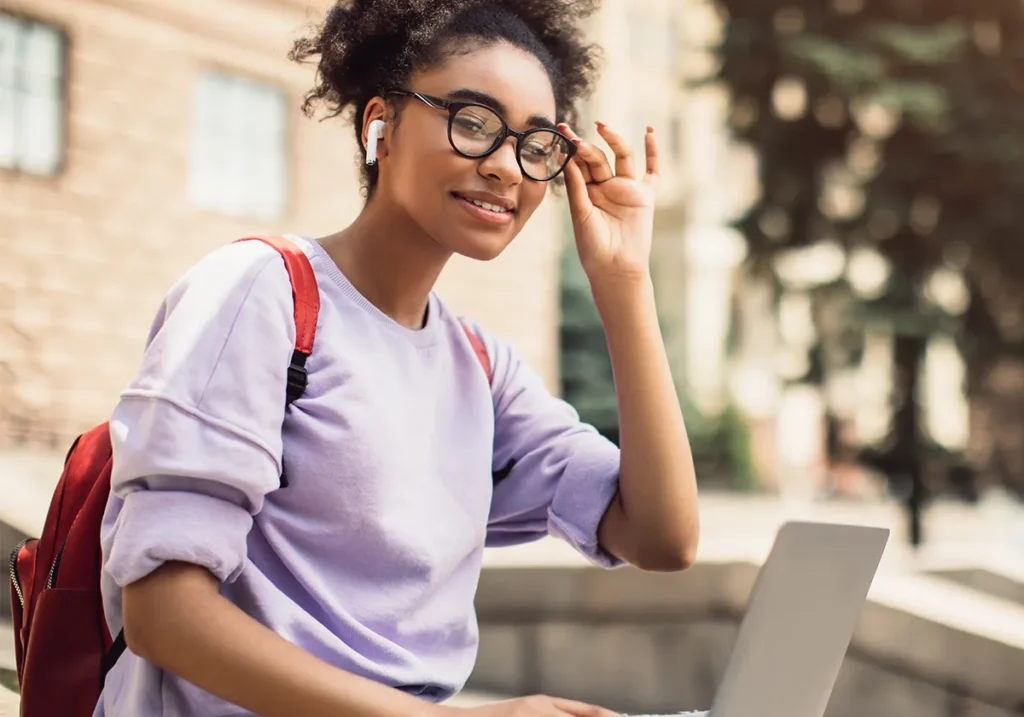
(476, 233)
(482, 247)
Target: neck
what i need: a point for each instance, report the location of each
(389, 260)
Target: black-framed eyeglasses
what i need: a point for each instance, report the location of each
(476, 131)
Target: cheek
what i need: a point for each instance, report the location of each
(429, 156)
(421, 169)
(531, 194)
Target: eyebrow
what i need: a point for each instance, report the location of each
(495, 104)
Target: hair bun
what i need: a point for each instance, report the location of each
(366, 47)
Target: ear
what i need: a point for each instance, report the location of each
(376, 109)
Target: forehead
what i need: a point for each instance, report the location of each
(514, 77)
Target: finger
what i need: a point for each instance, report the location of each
(623, 154)
(653, 160)
(584, 168)
(576, 189)
(576, 140)
(597, 162)
(581, 709)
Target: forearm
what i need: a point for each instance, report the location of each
(654, 520)
(176, 619)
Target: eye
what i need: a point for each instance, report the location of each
(535, 149)
(475, 121)
(469, 124)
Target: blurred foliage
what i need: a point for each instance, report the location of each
(586, 368)
(721, 448)
(895, 130)
(720, 444)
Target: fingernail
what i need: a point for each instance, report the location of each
(650, 129)
(600, 124)
(576, 140)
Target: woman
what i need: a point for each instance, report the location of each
(350, 591)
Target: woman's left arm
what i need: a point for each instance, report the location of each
(653, 520)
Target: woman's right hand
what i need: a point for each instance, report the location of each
(535, 706)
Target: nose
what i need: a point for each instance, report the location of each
(501, 164)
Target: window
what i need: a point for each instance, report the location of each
(31, 96)
(238, 151)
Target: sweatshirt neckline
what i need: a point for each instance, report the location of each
(422, 337)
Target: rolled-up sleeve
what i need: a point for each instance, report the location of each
(554, 474)
(197, 433)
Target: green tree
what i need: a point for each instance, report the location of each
(891, 129)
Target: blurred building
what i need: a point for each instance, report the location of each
(136, 136)
(658, 52)
(641, 84)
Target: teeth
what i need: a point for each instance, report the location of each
(489, 207)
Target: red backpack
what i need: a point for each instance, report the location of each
(63, 648)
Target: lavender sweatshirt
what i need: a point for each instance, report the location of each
(370, 557)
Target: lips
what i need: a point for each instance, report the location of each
(478, 210)
(489, 202)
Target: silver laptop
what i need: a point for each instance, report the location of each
(799, 621)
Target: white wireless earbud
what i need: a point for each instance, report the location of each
(373, 136)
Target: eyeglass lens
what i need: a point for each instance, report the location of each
(476, 131)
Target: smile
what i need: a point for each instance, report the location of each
(485, 210)
(490, 207)
(485, 205)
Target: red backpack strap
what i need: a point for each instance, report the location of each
(479, 349)
(306, 296)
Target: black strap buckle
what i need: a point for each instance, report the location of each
(298, 377)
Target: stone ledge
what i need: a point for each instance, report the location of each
(948, 634)
(999, 575)
(659, 643)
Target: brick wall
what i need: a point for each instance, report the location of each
(88, 254)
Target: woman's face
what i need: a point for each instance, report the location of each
(435, 185)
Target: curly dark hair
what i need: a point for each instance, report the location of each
(367, 47)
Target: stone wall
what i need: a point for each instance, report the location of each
(636, 642)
